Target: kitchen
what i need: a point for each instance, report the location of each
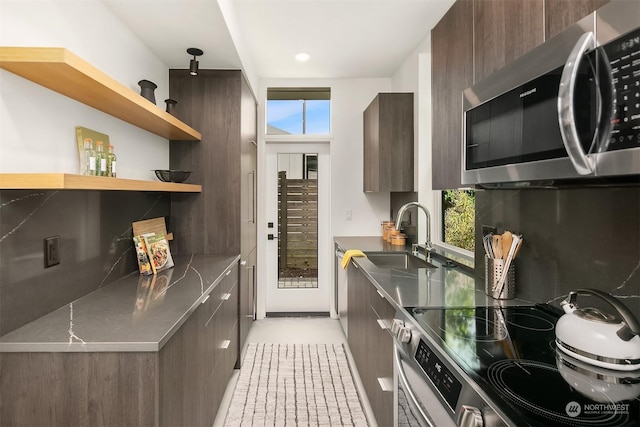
(584, 236)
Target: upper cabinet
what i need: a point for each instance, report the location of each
(504, 30)
(388, 143)
(559, 14)
(451, 73)
(61, 71)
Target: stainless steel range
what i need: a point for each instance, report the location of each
(494, 366)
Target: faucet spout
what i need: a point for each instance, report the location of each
(401, 212)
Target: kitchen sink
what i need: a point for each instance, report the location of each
(397, 260)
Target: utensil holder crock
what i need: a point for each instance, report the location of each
(493, 268)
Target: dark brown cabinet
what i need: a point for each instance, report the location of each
(371, 345)
(248, 211)
(182, 384)
(559, 14)
(451, 73)
(196, 364)
(504, 30)
(222, 218)
(388, 143)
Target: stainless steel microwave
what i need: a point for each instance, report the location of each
(568, 109)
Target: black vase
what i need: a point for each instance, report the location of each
(171, 105)
(146, 90)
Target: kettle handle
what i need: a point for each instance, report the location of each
(631, 328)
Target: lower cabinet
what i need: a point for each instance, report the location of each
(371, 345)
(196, 364)
(180, 385)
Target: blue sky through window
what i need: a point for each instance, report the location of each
(287, 116)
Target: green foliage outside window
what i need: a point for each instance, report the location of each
(459, 222)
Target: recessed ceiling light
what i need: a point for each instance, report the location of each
(302, 56)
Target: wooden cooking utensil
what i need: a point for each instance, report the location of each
(497, 246)
(507, 239)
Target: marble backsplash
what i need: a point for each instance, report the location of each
(587, 237)
(94, 228)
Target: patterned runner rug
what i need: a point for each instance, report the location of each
(295, 385)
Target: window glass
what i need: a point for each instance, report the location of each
(284, 117)
(458, 218)
(318, 113)
(298, 111)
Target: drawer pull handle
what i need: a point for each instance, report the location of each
(380, 293)
(228, 272)
(225, 297)
(225, 344)
(382, 324)
(205, 299)
(385, 384)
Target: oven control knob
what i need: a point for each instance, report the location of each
(404, 334)
(470, 416)
(395, 326)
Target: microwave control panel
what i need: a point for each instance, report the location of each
(624, 57)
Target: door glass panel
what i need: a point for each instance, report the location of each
(298, 221)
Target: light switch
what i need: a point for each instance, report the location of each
(348, 214)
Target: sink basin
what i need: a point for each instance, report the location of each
(397, 260)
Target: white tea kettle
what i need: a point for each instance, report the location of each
(597, 338)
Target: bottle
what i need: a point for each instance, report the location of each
(111, 162)
(101, 159)
(89, 158)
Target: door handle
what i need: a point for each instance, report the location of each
(582, 163)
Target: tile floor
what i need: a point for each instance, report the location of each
(288, 330)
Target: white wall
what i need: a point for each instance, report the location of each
(414, 75)
(37, 126)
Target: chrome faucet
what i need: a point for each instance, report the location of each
(401, 212)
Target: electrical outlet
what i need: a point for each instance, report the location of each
(51, 251)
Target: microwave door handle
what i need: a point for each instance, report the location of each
(411, 397)
(566, 117)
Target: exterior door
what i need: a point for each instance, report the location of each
(297, 214)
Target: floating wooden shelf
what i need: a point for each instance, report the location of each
(61, 71)
(63, 181)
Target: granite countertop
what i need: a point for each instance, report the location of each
(443, 286)
(135, 313)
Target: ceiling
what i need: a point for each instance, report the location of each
(345, 38)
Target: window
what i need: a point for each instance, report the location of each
(458, 218)
(298, 111)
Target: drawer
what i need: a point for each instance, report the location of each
(383, 310)
(221, 292)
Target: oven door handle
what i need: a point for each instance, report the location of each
(413, 400)
(582, 163)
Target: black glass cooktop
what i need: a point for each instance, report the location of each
(511, 353)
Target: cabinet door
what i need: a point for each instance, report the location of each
(357, 303)
(452, 72)
(503, 31)
(381, 349)
(559, 14)
(247, 298)
(388, 143)
(371, 146)
(249, 166)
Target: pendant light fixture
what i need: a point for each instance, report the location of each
(193, 64)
